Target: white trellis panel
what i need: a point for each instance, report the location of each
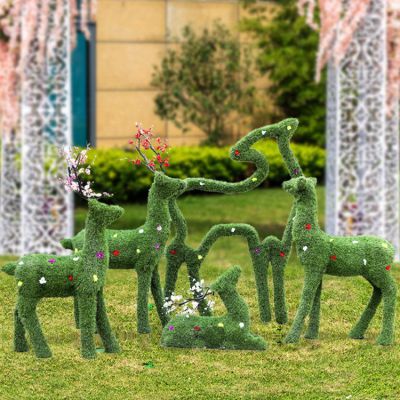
(10, 199)
(47, 210)
(362, 138)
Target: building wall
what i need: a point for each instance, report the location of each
(132, 37)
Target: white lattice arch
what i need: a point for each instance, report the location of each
(362, 174)
(36, 212)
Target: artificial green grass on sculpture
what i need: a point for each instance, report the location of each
(81, 275)
(142, 248)
(320, 254)
(123, 246)
(270, 250)
(231, 331)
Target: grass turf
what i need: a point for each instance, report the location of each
(334, 367)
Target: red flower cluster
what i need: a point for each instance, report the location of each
(143, 143)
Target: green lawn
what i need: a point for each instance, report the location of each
(333, 367)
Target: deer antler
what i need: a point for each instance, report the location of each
(143, 140)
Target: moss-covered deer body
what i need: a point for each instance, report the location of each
(142, 248)
(81, 275)
(230, 331)
(270, 250)
(320, 254)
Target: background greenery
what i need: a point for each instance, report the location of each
(113, 173)
(287, 49)
(205, 82)
(332, 368)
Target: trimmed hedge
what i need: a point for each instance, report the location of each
(113, 173)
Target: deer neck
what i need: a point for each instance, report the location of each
(236, 307)
(95, 246)
(306, 218)
(158, 218)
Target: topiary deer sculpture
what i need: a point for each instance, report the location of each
(80, 275)
(320, 254)
(230, 331)
(142, 248)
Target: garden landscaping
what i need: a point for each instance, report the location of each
(347, 369)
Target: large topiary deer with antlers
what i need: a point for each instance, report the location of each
(142, 248)
(79, 275)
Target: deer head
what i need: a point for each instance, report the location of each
(104, 214)
(299, 186)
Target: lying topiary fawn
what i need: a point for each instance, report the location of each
(82, 276)
(320, 254)
(231, 331)
(142, 248)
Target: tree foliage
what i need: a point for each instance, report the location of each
(205, 83)
(287, 54)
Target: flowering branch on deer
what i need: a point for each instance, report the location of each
(143, 143)
(77, 168)
(189, 306)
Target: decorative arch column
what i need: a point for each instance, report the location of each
(362, 176)
(46, 208)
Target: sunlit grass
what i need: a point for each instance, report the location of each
(333, 367)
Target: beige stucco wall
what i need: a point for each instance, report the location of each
(132, 36)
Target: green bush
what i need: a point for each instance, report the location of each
(113, 173)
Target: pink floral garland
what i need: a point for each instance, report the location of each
(21, 22)
(337, 28)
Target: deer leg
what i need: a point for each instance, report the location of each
(171, 275)
(313, 326)
(261, 278)
(158, 297)
(359, 329)
(389, 293)
(311, 282)
(27, 312)
(87, 321)
(144, 281)
(108, 338)
(20, 343)
(278, 279)
(76, 312)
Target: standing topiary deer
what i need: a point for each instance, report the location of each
(319, 253)
(142, 248)
(230, 331)
(80, 275)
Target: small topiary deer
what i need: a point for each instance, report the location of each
(231, 331)
(81, 276)
(142, 248)
(319, 253)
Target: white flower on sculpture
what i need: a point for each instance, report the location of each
(42, 280)
(190, 306)
(241, 325)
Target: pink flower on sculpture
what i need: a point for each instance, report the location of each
(157, 246)
(52, 260)
(171, 328)
(100, 255)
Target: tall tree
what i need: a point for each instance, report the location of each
(288, 48)
(205, 83)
